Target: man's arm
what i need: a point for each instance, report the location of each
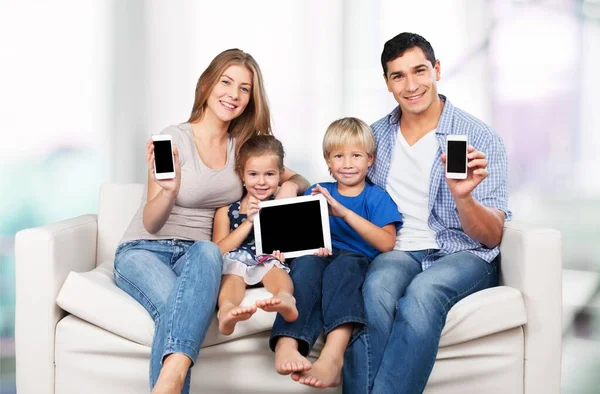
(481, 222)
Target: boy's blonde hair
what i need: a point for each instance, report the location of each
(348, 131)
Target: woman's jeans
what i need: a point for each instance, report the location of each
(328, 292)
(178, 283)
(406, 311)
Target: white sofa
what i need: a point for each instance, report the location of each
(77, 332)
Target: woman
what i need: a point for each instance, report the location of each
(165, 260)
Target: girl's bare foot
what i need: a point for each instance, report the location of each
(287, 357)
(172, 375)
(230, 315)
(283, 303)
(325, 372)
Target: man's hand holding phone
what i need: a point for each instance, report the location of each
(476, 173)
(170, 185)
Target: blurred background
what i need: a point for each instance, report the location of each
(84, 83)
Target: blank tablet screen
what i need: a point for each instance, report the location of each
(290, 228)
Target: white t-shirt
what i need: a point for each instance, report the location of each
(408, 185)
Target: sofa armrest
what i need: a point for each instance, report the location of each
(44, 257)
(531, 262)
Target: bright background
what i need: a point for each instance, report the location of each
(83, 83)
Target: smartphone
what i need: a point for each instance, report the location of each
(164, 162)
(456, 156)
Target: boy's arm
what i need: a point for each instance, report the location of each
(224, 239)
(381, 238)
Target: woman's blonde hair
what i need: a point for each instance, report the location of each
(256, 118)
(348, 131)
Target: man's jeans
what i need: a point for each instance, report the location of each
(406, 312)
(328, 292)
(178, 283)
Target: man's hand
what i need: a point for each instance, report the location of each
(476, 173)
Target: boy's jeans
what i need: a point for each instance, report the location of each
(178, 283)
(406, 312)
(328, 292)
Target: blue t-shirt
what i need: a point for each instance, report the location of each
(373, 204)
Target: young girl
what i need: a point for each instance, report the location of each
(259, 165)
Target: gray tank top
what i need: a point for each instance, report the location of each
(202, 191)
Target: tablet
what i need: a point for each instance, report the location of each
(295, 226)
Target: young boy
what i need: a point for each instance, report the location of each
(328, 285)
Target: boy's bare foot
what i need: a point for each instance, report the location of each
(284, 303)
(288, 359)
(230, 314)
(325, 372)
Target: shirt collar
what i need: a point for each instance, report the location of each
(444, 123)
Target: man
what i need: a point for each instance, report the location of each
(449, 244)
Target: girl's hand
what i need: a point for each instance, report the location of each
(278, 255)
(252, 208)
(323, 252)
(169, 185)
(335, 208)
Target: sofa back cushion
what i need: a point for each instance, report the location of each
(118, 205)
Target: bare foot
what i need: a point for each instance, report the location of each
(172, 375)
(288, 359)
(283, 303)
(230, 314)
(167, 386)
(325, 372)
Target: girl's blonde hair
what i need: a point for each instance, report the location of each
(259, 145)
(348, 131)
(256, 118)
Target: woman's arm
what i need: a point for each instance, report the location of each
(292, 184)
(161, 193)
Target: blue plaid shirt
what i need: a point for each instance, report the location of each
(443, 215)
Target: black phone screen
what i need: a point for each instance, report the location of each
(293, 227)
(457, 156)
(163, 156)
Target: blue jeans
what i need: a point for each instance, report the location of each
(328, 292)
(178, 283)
(406, 312)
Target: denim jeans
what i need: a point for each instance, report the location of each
(178, 283)
(406, 312)
(328, 292)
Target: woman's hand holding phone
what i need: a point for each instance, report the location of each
(170, 186)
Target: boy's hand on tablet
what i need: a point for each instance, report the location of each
(252, 208)
(335, 208)
(323, 252)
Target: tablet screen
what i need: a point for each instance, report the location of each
(291, 227)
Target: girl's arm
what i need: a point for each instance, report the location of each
(292, 184)
(226, 240)
(381, 238)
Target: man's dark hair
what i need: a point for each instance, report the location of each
(395, 47)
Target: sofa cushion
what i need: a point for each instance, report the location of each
(94, 297)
